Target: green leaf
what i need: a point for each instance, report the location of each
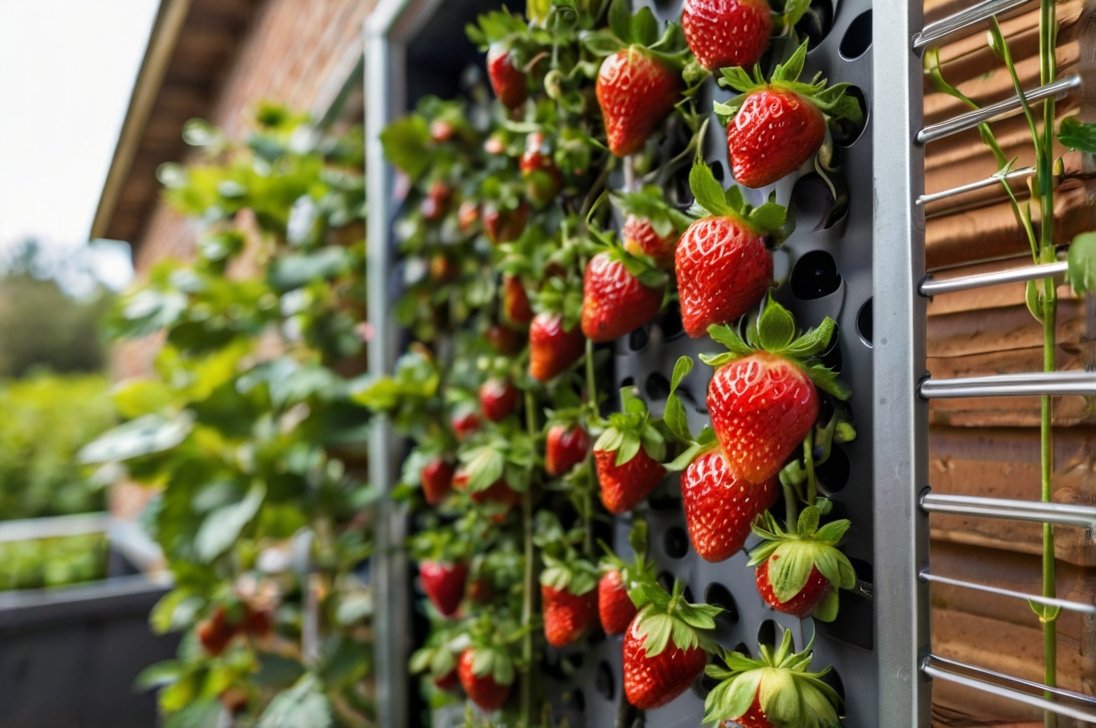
(707, 191)
(143, 436)
(791, 69)
(683, 460)
(302, 705)
(717, 360)
(601, 42)
(736, 78)
(629, 448)
(159, 674)
(222, 527)
(676, 419)
(728, 337)
(406, 145)
(137, 397)
(808, 521)
(658, 629)
(175, 610)
(789, 568)
(814, 342)
(292, 271)
(768, 217)
(1076, 134)
(826, 380)
(826, 611)
(197, 714)
(644, 27)
(775, 327)
(682, 367)
(1081, 262)
(742, 694)
(620, 20)
(683, 636)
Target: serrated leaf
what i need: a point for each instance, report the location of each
(1081, 262)
(814, 342)
(707, 191)
(221, 529)
(682, 367)
(302, 705)
(833, 531)
(728, 337)
(620, 20)
(717, 360)
(791, 69)
(808, 521)
(629, 448)
(826, 380)
(768, 218)
(736, 78)
(1076, 134)
(775, 327)
(683, 636)
(644, 27)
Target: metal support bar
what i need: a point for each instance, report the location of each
(993, 179)
(934, 287)
(1066, 604)
(1007, 107)
(1060, 514)
(1082, 707)
(1034, 384)
(940, 29)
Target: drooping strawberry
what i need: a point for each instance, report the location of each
(486, 674)
(464, 423)
(542, 177)
(508, 81)
(628, 455)
(722, 264)
(799, 571)
(775, 126)
(569, 599)
(436, 203)
(720, 506)
(777, 690)
(515, 302)
(565, 446)
(504, 222)
(762, 398)
(637, 85)
(553, 346)
(614, 607)
(621, 585)
(665, 647)
(443, 583)
(651, 226)
(727, 32)
(215, 632)
(504, 340)
(438, 658)
(620, 293)
(437, 480)
(498, 398)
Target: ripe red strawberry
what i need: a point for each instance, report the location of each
(444, 584)
(773, 691)
(504, 224)
(515, 302)
(720, 506)
(464, 424)
(504, 340)
(564, 448)
(614, 300)
(761, 406)
(567, 616)
(662, 647)
(257, 621)
(468, 215)
(614, 606)
(214, 632)
(726, 32)
(498, 399)
(507, 80)
(552, 348)
(774, 126)
(436, 202)
(437, 480)
(483, 689)
(723, 268)
(803, 602)
(448, 681)
(635, 91)
(622, 487)
(543, 179)
(640, 238)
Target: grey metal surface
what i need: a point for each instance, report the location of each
(1031, 384)
(939, 30)
(1061, 514)
(938, 286)
(972, 186)
(999, 110)
(1066, 604)
(901, 417)
(1082, 707)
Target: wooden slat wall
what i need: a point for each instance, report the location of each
(991, 446)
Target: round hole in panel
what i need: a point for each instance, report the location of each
(717, 171)
(676, 542)
(833, 474)
(637, 340)
(831, 357)
(657, 386)
(628, 382)
(572, 662)
(687, 594)
(857, 38)
(742, 649)
(766, 633)
(816, 23)
(864, 322)
(720, 596)
(669, 321)
(578, 700)
(833, 679)
(666, 581)
(814, 203)
(815, 275)
(845, 132)
(604, 682)
(663, 499)
(677, 188)
(666, 6)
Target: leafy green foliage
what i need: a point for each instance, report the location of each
(52, 562)
(1076, 134)
(1082, 263)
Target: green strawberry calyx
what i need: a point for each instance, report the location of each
(562, 298)
(788, 693)
(575, 576)
(438, 656)
(639, 31)
(832, 100)
(793, 12)
(493, 661)
(637, 574)
(631, 429)
(677, 423)
(666, 619)
(650, 204)
(640, 267)
(774, 330)
(792, 555)
(770, 218)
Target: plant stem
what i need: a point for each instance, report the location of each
(588, 496)
(808, 462)
(528, 580)
(791, 508)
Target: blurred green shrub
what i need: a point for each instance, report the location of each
(53, 562)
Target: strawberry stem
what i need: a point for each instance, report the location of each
(587, 498)
(791, 508)
(529, 579)
(808, 463)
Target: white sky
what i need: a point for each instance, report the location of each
(67, 69)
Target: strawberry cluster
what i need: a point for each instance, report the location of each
(519, 261)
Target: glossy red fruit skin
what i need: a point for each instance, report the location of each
(622, 487)
(723, 269)
(515, 302)
(504, 340)
(505, 225)
(804, 601)
(498, 399)
(257, 622)
(614, 607)
(720, 506)
(507, 80)
(614, 302)
(567, 616)
(437, 480)
(639, 238)
(564, 448)
(443, 584)
(542, 177)
(551, 347)
(773, 133)
(214, 632)
(448, 681)
(651, 682)
(725, 33)
(761, 407)
(487, 694)
(635, 92)
(465, 424)
(752, 718)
